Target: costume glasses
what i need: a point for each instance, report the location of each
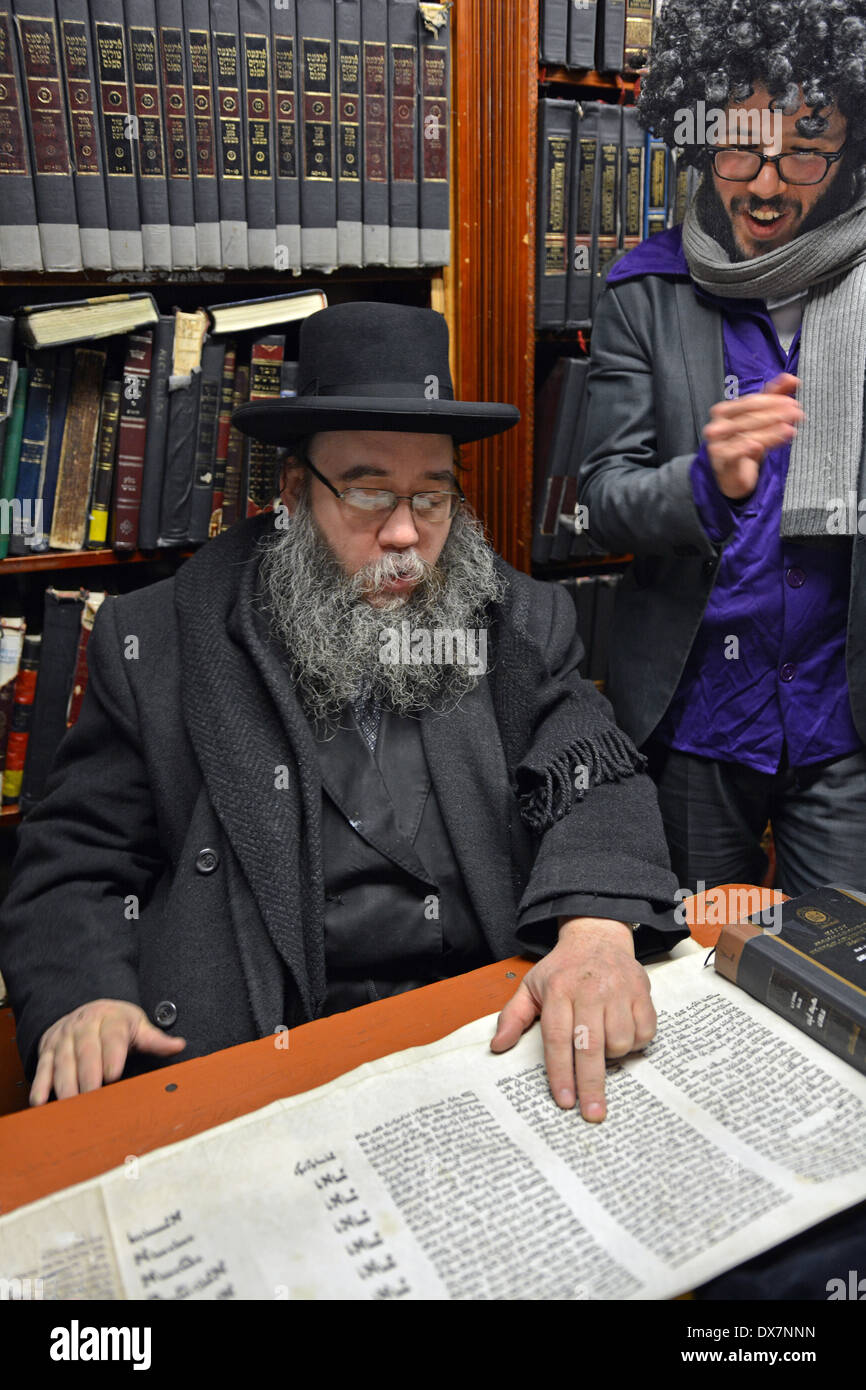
(803, 166)
(375, 504)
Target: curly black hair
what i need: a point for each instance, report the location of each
(717, 50)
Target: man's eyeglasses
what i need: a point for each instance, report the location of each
(375, 504)
(803, 166)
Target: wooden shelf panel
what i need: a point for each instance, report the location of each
(587, 78)
(83, 559)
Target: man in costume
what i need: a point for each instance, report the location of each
(725, 449)
(284, 797)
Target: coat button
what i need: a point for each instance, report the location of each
(206, 861)
(165, 1014)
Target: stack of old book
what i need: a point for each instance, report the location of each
(115, 424)
(233, 134)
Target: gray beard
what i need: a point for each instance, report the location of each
(334, 637)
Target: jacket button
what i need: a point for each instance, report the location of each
(165, 1014)
(709, 567)
(206, 861)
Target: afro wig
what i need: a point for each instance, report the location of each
(718, 50)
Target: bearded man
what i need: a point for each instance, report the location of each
(725, 446)
(257, 820)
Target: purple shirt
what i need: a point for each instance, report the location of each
(767, 667)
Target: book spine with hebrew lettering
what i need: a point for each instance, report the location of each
(586, 172)
(231, 503)
(632, 191)
(258, 130)
(434, 203)
(178, 141)
(39, 47)
(196, 16)
(403, 93)
(376, 204)
(287, 188)
(144, 65)
(119, 146)
(230, 143)
(131, 435)
(84, 130)
(553, 32)
(265, 363)
(224, 422)
(350, 227)
(20, 248)
(556, 122)
(318, 164)
(106, 454)
(609, 200)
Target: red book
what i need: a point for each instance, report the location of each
(79, 680)
(131, 436)
(224, 423)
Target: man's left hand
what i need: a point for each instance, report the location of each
(594, 1001)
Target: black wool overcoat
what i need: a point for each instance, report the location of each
(176, 858)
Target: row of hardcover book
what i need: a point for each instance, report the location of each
(228, 134)
(42, 681)
(610, 35)
(594, 597)
(127, 440)
(604, 185)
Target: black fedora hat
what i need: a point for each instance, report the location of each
(374, 367)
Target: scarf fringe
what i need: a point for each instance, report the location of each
(611, 757)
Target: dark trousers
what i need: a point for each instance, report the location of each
(715, 814)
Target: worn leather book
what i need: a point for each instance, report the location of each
(78, 451)
(806, 960)
(180, 446)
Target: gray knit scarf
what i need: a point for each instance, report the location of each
(829, 262)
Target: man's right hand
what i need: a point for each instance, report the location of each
(742, 432)
(88, 1047)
